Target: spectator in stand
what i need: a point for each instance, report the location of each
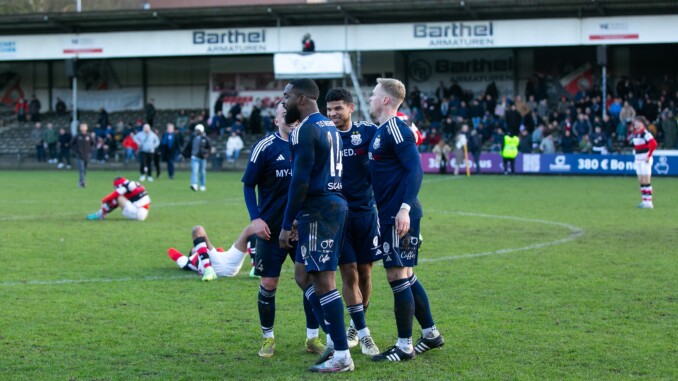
(103, 117)
(497, 140)
(237, 125)
(82, 148)
(156, 155)
(585, 144)
(21, 109)
(150, 111)
(621, 130)
(148, 142)
(568, 142)
(307, 44)
(432, 138)
(462, 112)
(547, 145)
(217, 124)
(581, 126)
(537, 136)
(598, 141)
(513, 120)
(139, 126)
(234, 112)
(51, 139)
(475, 112)
(670, 130)
(627, 113)
(442, 152)
(65, 139)
(170, 146)
(234, 145)
(38, 139)
(60, 107)
(34, 109)
(442, 92)
(255, 119)
(182, 121)
(525, 144)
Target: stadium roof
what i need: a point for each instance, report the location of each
(204, 14)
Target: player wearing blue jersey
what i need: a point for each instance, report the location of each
(269, 171)
(318, 209)
(395, 168)
(361, 239)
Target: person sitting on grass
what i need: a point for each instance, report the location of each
(130, 196)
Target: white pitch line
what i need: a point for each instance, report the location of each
(575, 232)
(154, 205)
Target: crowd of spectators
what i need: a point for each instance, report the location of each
(570, 125)
(116, 140)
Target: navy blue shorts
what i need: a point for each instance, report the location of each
(270, 257)
(400, 252)
(361, 240)
(320, 242)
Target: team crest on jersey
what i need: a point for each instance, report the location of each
(356, 139)
(377, 143)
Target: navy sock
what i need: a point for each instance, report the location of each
(422, 310)
(333, 310)
(403, 306)
(313, 299)
(266, 307)
(357, 315)
(311, 321)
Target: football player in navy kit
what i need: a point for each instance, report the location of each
(361, 239)
(318, 209)
(395, 168)
(269, 170)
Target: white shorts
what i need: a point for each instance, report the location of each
(227, 263)
(643, 168)
(134, 212)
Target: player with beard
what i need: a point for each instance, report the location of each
(317, 208)
(361, 240)
(268, 173)
(395, 168)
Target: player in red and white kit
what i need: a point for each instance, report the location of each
(209, 261)
(644, 145)
(418, 137)
(130, 196)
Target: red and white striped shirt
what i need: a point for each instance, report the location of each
(643, 143)
(131, 190)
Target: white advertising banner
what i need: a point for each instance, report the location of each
(111, 100)
(450, 35)
(318, 65)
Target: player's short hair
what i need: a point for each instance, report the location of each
(307, 87)
(339, 94)
(393, 87)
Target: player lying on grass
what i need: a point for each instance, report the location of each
(209, 261)
(130, 196)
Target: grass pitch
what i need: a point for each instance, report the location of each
(528, 278)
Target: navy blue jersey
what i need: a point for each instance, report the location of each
(315, 189)
(355, 178)
(395, 169)
(269, 169)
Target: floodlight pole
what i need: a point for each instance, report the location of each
(604, 100)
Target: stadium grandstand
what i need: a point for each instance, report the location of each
(530, 69)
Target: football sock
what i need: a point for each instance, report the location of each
(201, 248)
(193, 262)
(649, 193)
(422, 309)
(266, 307)
(333, 311)
(311, 333)
(311, 321)
(403, 307)
(181, 260)
(316, 307)
(358, 318)
(405, 344)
